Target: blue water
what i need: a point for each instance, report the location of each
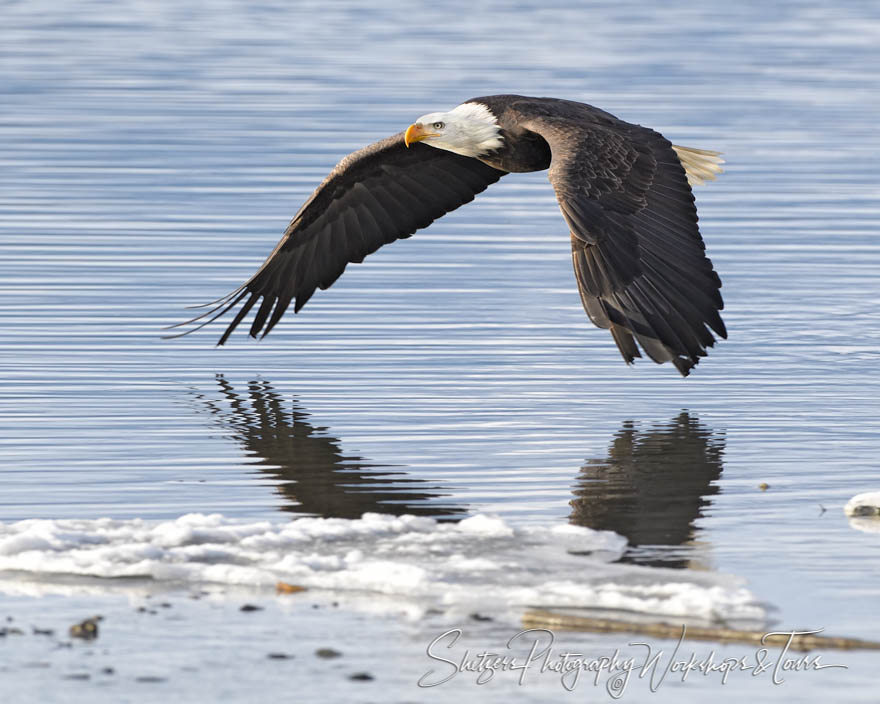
(151, 153)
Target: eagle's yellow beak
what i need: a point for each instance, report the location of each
(416, 133)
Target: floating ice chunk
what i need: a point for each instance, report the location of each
(480, 563)
(867, 504)
(864, 512)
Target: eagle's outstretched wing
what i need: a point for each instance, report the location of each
(638, 256)
(374, 196)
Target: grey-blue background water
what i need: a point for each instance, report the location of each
(152, 152)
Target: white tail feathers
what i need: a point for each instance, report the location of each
(701, 165)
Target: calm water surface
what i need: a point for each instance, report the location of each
(151, 154)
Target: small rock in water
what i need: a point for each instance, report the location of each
(87, 629)
(328, 653)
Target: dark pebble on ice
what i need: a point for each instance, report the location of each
(280, 656)
(479, 617)
(87, 629)
(361, 677)
(327, 653)
(250, 607)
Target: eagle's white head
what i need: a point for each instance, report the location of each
(470, 129)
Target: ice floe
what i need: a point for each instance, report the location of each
(481, 561)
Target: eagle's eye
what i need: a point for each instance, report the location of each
(438, 125)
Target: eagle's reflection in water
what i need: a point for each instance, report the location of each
(651, 488)
(315, 476)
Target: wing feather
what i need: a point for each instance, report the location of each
(638, 256)
(374, 196)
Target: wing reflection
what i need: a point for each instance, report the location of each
(651, 488)
(316, 477)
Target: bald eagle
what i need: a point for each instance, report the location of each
(624, 191)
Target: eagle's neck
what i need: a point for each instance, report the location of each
(479, 128)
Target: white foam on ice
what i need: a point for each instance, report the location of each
(480, 562)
